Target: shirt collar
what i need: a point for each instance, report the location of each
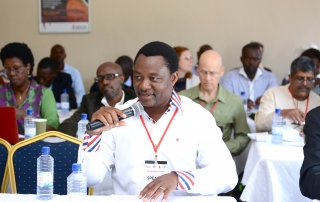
(175, 103)
(258, 73)
(221, 96)
(104, 101)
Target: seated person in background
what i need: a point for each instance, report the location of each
(226, 107)
(294, 99)
(3, 77)
(201, 50)
(249, 78)
(314, 54)
(261, 49)
(126, 64)
(48, 76)
(22, 93)
(110, 79)
(309, 173)
(186, 78)
(197, 162)
(59, 55)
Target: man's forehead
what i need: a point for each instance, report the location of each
(304, 74)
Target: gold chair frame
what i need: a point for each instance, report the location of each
(4, 185)
(35, 139)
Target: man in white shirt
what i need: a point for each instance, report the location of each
(59, 55)
(294, 99)
(249, 78)
(174, 131)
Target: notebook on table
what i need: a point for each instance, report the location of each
(8, 125)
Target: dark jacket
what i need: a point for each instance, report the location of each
(90, 104)
(309, 173)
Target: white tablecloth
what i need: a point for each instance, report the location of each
(272, 173)
(113, 198)
(62, 118)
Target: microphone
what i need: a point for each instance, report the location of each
(135, 110)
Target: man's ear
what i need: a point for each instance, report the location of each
(174, 78)
(122, 79)
(222, 71)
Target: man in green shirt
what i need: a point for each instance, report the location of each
(226, 107)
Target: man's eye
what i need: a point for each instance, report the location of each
(137, 77)
(154, 79)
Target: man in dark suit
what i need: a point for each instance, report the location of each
(110, 81)
(49, 76)
(309, 173)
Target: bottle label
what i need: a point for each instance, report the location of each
(64, 105)
(44, 179)
(30, 132)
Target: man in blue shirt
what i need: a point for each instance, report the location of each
(249, 78)
(58, 54)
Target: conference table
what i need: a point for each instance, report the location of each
(113, 198)
(272, 172)
(62, 118)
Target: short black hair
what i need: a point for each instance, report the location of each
(311, 53)
(124, 61)
(157, 48)
(252, 46)
(19, 50)
(48, 63)
(304, 64)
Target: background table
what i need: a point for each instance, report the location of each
(62, 118)
(272, 172)
(113, 198)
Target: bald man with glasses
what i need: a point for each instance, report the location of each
(295, 99)
(226, 107)
(110, 80)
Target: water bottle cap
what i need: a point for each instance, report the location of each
(45, 150)
(29, 111)
(278, 111)
(243, 93)
(84, 116)
(64, 91)
(76, 167)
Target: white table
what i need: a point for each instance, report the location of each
(62, 118)
(272, 173)
(113, 198)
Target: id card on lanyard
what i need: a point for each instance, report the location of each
(152, 170)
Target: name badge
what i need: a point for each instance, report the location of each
(154, 170)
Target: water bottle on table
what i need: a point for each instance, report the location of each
(29, 125)
(82, 126)
(45, 175)
(244, 100)
(277, 127)
(76, 182)
(64, 104)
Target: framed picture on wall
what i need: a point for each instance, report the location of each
(64, 16)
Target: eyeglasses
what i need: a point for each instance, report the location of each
(13, 69)
(107, 77)
(205, 73)
(300, 80)
(189, 57)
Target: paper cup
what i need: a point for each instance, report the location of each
(41, 126)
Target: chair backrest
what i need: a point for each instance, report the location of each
(5, 148)
(23, 162)
(8, 125)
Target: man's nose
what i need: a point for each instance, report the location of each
(145, 84)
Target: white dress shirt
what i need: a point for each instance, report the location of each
(192, 143)
(77, 83)
(104, 101)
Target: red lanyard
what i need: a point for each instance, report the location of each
(156, 146)
(296, 105)
(213, 107)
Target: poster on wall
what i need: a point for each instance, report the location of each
(64, 16)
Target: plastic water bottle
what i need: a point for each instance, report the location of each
(64, 104)
(29, 125)
(277, 127)
(76, 182)
(45, 175)
(244, 100)
(82, 126)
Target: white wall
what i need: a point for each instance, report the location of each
(123, 26)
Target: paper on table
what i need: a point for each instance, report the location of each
(260, 137)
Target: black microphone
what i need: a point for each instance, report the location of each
(135, 110)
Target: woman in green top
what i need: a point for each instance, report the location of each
(23, 92)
